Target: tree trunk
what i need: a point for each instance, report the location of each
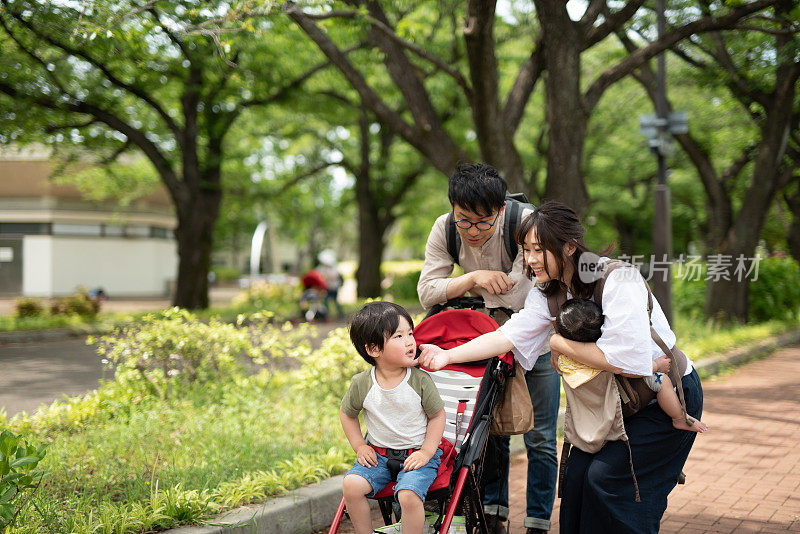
(728, 299)
(625, 232)
(495, 141)
(370, 255)
(195, 235)
(566, 119)
(793, 235)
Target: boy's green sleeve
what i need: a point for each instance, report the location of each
(431, 400)
(353, 400)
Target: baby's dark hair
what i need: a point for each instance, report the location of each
(580, 320)
(373, 324)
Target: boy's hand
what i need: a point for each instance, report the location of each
(661, 365)
(416, 460)
(367, 456)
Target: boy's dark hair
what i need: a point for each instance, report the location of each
(580, 320)
(478, 188)
(373, 324)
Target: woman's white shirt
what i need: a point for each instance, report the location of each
(625, 339)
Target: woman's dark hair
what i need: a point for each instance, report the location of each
(557, 224)
(478, 188)
(373, 324)
(580, 320)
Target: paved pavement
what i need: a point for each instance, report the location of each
(39, 372)
(743, 475)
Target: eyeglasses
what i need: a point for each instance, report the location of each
(480, 225)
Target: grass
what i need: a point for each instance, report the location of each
(145, 463)
(700, 339)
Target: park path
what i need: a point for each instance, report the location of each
(743, 475)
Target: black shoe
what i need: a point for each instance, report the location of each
(532, 530)
(495, 524)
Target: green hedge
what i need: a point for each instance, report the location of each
(774, 294)
(404, 286)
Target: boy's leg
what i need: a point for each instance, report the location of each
(359, 483)
(411, 489)
(413, 511)
(671, 404)
(355, 489)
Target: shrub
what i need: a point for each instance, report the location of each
(689, 292)
(775, 294)
(28, 307)
(224, 273)
(17, 475)
(174, 346)
(81, 304)
(327, 372)
(280, 299)
(404, 286)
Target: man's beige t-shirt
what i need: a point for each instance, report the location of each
(491, 256)
(395, 418)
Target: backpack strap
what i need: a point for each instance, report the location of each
(452, 237)
(678, 359)
(513, 216)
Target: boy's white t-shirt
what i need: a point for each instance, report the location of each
(395, 418)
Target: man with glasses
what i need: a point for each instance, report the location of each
(477, 195)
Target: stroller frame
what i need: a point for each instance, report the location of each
(463, 492)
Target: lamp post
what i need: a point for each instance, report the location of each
(662, 223)
(658, 129)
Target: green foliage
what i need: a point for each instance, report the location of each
(689, 289)
(279, 299)
(175, 347)
(224, 273)
(80, 304)
(326, 373)
(775, 294)
(18, 460)
(404, 286)
(28, 307)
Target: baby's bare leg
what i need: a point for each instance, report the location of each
(671, 404)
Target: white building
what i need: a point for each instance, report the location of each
(52, 240)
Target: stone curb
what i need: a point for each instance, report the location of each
(312, 507)
(27, 336)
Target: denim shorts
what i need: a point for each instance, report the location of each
(418, 480)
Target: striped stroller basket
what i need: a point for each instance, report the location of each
(469, 391)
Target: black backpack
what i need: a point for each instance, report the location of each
(515, 203)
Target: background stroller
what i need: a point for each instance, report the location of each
(469, 393)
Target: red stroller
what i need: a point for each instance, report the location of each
(469, 391)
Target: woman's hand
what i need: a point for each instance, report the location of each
(661, 365)
(433, 357)
(554, 361)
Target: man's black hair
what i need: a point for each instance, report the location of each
(580, 320)
(373, 324)
(478, 188)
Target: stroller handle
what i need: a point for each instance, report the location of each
(466, 303)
